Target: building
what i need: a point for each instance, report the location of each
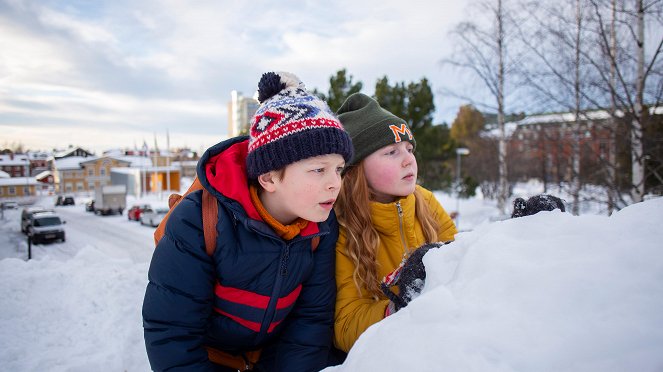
(18, 187)
(72, 152)
(16, 165)
(97, 171)
(240, 113)
(39, 162)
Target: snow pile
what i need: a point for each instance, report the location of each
(82, 314)
(548, 292)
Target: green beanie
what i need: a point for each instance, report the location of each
(370, 126)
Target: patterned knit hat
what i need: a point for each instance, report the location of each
(370, 126)
(291, 125)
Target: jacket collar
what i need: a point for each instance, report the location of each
(386, 219)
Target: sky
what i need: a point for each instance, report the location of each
(549, 292)
(108, 74)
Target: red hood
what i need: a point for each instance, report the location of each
(226, 173)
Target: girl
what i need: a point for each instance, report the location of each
(382, 212)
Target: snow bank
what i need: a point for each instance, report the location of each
(549, 292)
(82, 314)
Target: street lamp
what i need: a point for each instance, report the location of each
(459, 152)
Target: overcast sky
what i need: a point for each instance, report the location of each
(103, 74)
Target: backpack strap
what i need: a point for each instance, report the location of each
(210, 211)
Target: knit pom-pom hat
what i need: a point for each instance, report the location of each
(291, 125)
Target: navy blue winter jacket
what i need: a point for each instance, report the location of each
(256, 291)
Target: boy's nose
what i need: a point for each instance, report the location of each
(335, 183)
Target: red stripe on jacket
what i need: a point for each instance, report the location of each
(252, 299)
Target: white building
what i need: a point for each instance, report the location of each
(240, 113)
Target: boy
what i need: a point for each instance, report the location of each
(268, 286)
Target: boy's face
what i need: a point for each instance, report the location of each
(308, 189)
(391, 172)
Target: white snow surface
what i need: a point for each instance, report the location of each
(550, 292)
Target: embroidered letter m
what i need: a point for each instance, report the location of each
(398, 131)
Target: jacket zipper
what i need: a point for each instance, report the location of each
(406, 251)
(270, 312)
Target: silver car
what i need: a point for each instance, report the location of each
(152, 216)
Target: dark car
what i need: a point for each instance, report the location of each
(133, 214)
(68, 200)
(46, 227)
(65, 200)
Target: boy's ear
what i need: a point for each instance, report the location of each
(266, 180)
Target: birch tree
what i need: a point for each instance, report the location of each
(483, 52)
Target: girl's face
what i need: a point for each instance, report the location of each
(391, 172)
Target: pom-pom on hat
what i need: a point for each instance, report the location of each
(291, 125)
(370, 126)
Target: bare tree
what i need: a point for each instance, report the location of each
(555, 69)
(482, 51)
(626, 53)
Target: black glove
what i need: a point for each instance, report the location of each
(536, 204)
(410, 279)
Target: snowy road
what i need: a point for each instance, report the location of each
(114, 235)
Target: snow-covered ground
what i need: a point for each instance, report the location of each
(550, 292)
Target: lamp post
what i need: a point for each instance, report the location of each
(459, 152)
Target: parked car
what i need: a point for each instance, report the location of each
(27, 213)
(46, 227)
(65, 200)
(152, 216)
(89, 206)
(133, 214)
(9, 205)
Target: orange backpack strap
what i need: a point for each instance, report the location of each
(242, 362)
(210, 213)
(314, 243)
(210, 219)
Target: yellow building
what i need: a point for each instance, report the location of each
(97, 172)
(18, 187)
(83, 174)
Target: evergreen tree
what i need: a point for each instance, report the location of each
(340, 88)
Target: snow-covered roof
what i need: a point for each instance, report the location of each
(69, 151)
(509, 128)
(566, 117)
(4, 174)
(38, 155)
(135, 161)
(43, 174)
(18, 181)
(16, 159)
(556, 118)
(97, 159)
(72, 162)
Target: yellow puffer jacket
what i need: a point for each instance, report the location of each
(355, 312)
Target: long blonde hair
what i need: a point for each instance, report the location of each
(354, 214)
